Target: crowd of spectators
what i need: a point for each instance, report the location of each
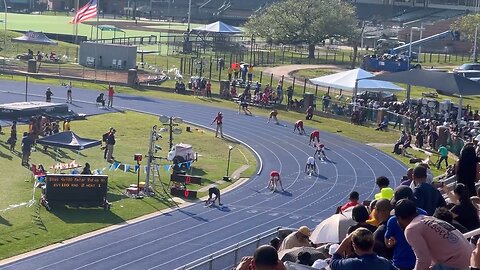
(417, 225)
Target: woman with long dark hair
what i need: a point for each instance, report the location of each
(464, 212)
(467, 168)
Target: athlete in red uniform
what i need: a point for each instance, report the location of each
(299, 126)
(272, 183)
(314, 135)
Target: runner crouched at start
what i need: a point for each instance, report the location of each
(211, 200)
(315, 135)
(311, 167)
(299, 126)
(274, 180)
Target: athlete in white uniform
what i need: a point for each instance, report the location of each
(311, 166)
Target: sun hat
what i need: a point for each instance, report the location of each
(304, 230)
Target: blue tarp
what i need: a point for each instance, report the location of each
(68, 140)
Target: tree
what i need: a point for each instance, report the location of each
(304, 22)
(466, 26)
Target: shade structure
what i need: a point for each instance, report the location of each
(106, 27)
(346, 80)
(68, 140)
(218, 27)
(332, 229)
(33, 37)
(446, 82)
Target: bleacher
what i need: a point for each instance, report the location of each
(415, 15)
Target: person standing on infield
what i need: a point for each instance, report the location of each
(219, 120)
(111, 92)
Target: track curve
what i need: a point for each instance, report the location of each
(184, 235)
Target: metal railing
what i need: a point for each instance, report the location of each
(228, 257)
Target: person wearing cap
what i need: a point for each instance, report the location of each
(219, 121)
(264, 258)
(323, 263)
(297, 239)
(362, 241)
(382, 214)
(426, 196)
(386, 192)
(403, 256)
(436, 243)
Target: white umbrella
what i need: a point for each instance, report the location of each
(333, 229)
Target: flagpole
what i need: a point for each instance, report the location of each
(77, 4)
(96, 41)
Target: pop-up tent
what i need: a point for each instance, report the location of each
(33, 37)
(443, 82)
(218, 27)
(68, 140)
(354, 79)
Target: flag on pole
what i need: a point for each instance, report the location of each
(86, 12)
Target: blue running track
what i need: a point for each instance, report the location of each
(184, 235)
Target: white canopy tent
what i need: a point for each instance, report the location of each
(353, 80)
(218, 27)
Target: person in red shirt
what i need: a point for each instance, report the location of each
(299, 126)
(314, 135)
(208, 88)
(273, 114)
(353, 201)
(274, 179)
(219, 120)
(111, 91)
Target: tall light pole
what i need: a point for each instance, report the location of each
(5, 21)
(476, 34)
(420, 46)
(227, 177)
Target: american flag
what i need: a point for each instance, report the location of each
(86, 12)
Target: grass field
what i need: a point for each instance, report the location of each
(27, 228)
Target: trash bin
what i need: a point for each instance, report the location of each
(32, 66)
(381, 113)
(132, 77)
(224, 88)
(309, 100)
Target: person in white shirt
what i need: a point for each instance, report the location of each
(311, 166)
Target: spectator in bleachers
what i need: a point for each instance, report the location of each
(264, 258)
(399, 142)
(464, 212)
(444, 214)
(297, 239)
(467, 168)
(382, 214)
(353, 201)
(386, 192)
(475, 258)
(363, 242)
(427, 197)
(407, 179)
(304, 258)
(403, 256)
(275, 242)
(437, 244)
(360, 215)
